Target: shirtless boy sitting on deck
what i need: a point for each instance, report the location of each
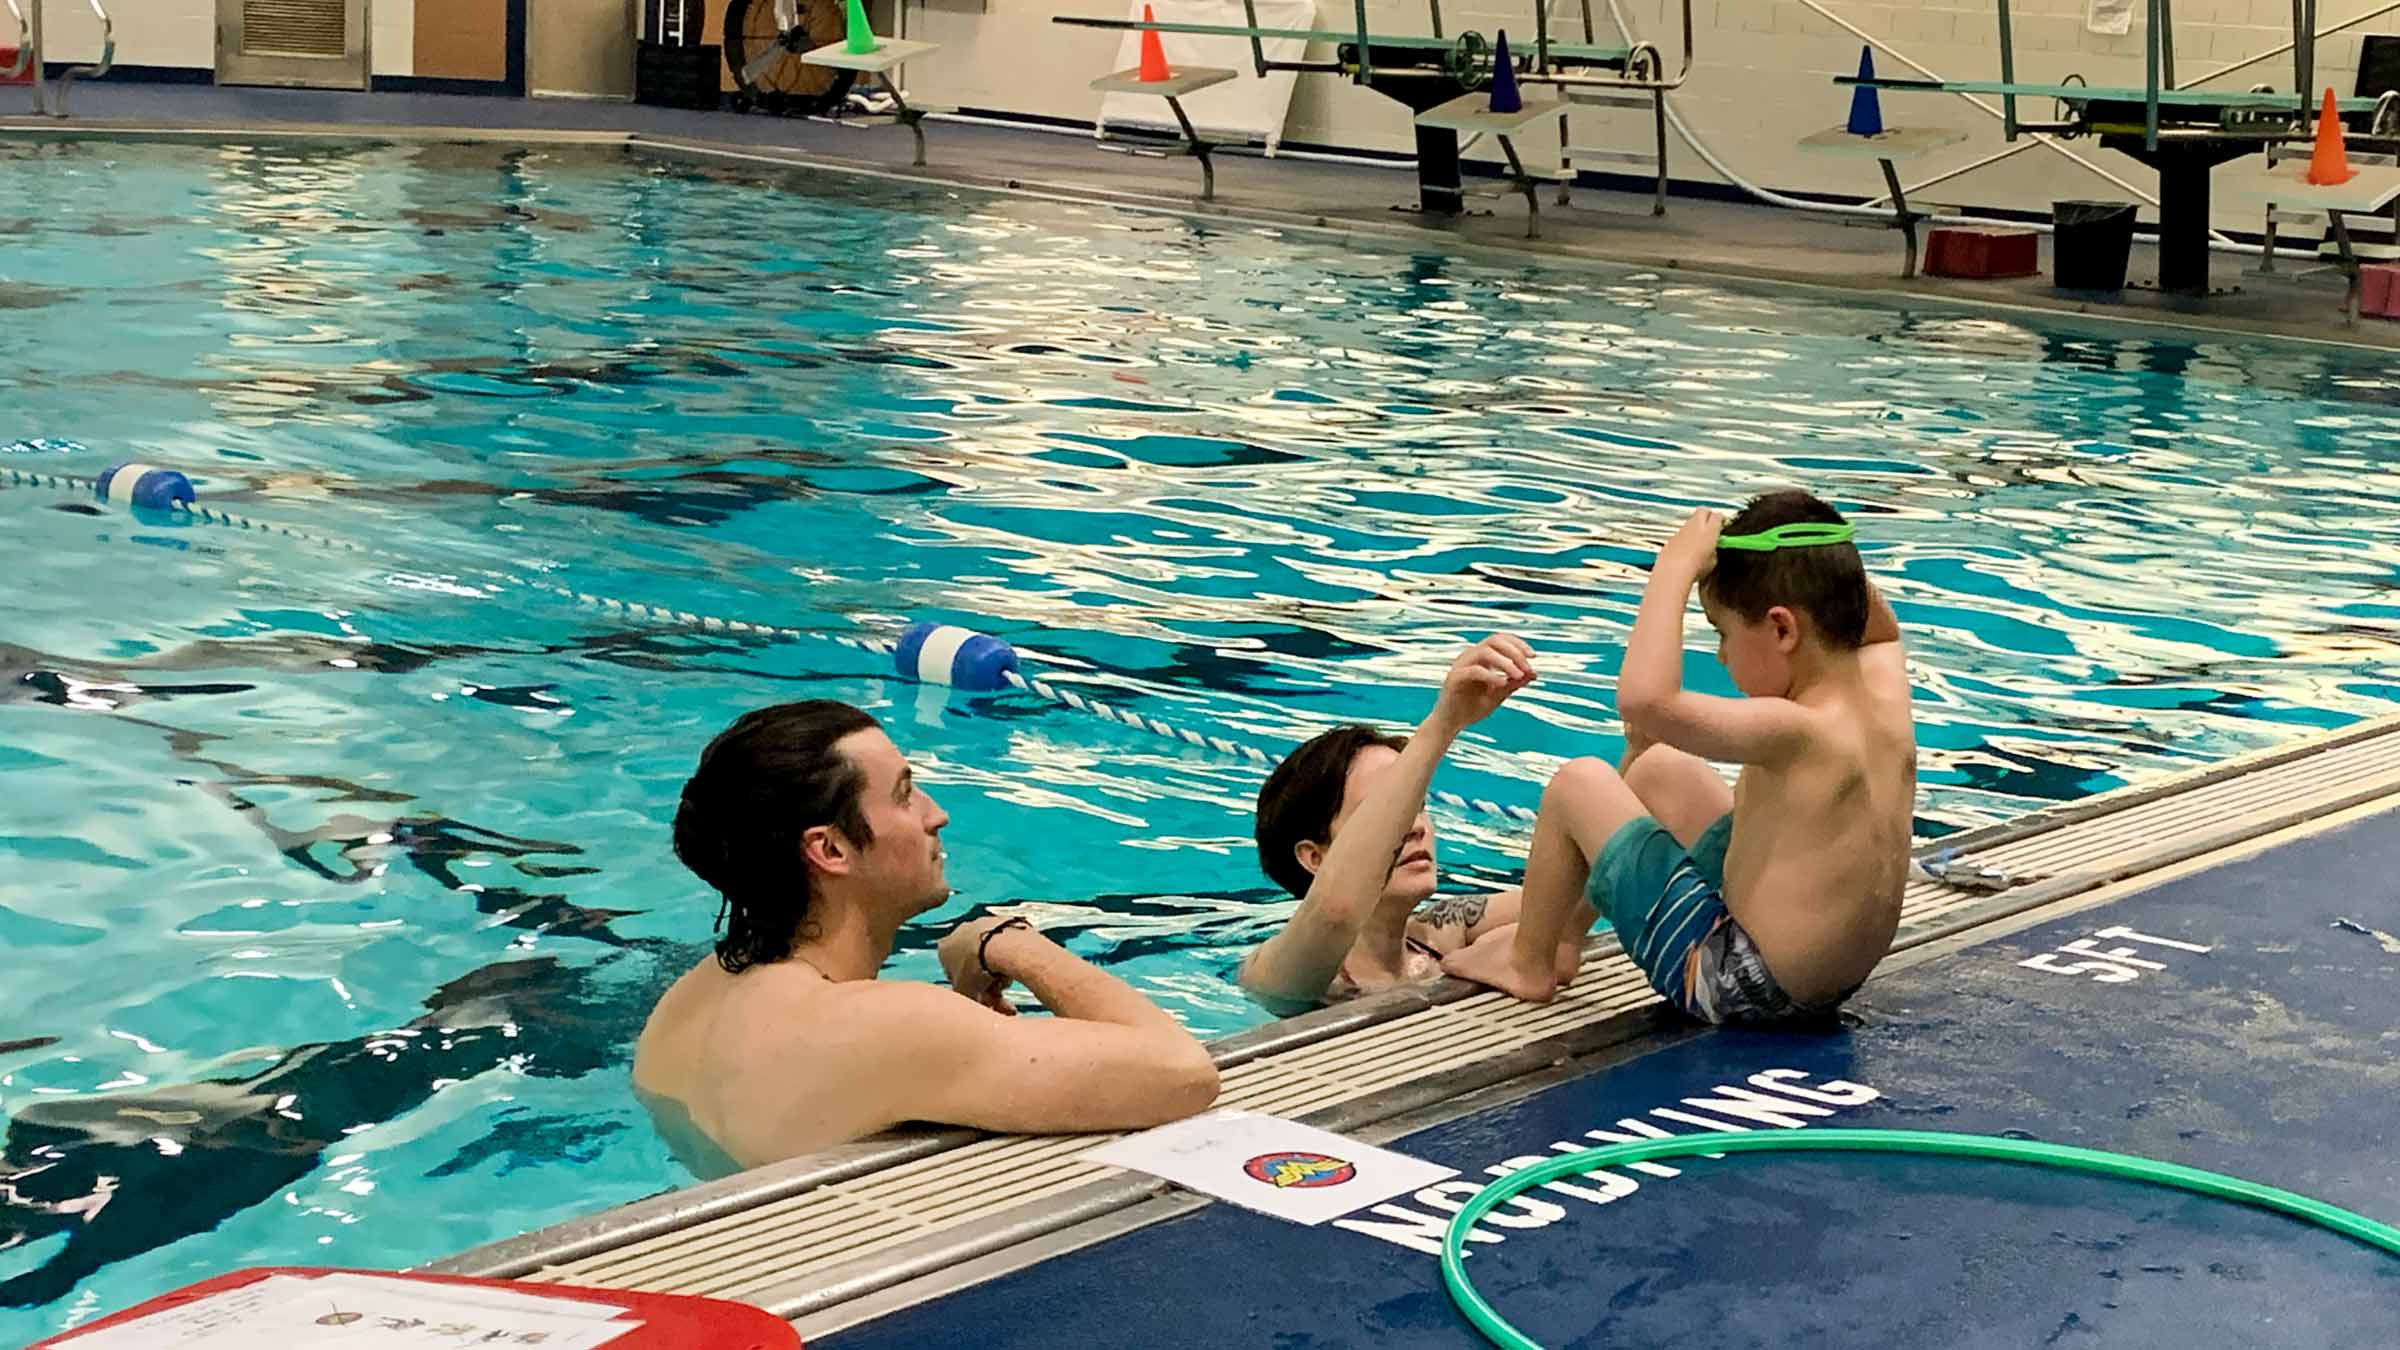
(1770, 902)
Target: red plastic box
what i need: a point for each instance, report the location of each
(1981, 254)
(2379, 290)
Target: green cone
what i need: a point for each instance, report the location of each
(862, 38)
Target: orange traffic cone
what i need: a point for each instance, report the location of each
(1154, 56)
(2329, 165)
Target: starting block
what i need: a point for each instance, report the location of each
(888, 52)
(2368, 191)
(1471, 114)
(1888, 149)
(1182, 81)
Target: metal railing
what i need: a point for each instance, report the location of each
(107, 62)
(1473, 48)
(29, 55)
(1645, 65)
(24, 43)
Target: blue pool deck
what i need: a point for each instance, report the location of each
(1706, 231)
(2205, 971)
(2256, 1038)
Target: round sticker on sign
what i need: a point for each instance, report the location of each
(1298, 1171)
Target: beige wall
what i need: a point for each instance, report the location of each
(148, 32)
(581, 47)
(391, 36)
(184, 32)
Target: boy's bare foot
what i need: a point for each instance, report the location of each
(1570, 960)
(1492, 960)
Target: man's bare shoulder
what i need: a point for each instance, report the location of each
(879, 1011)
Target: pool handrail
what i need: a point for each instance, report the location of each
(1641, 56)
(24, 42)
(107, 62)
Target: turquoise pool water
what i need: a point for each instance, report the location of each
(336, 888)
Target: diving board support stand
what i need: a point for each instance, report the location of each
(1888, 149)
(1472, 114)
(889, 52)
(1178, 84)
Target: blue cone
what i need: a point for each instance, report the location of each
(1866, 111)
(1504, 78)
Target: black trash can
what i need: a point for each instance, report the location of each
(2091, 245)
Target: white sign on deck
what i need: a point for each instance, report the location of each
(1294, 1172)
(362, 1312)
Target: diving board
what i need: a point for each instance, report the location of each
(2085, 93)
(2237, 1018)
(1592, 53)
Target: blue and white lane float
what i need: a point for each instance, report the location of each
(948, 655)
(145, 486)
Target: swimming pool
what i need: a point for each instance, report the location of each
(346, 882)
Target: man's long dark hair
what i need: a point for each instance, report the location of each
(772, 775)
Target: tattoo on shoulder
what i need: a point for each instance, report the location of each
(1455, 911)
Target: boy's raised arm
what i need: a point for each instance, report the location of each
(1650, 693)
(1882, 624)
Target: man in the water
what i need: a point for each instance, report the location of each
(809, 823)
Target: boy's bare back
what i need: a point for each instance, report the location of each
(1821, 839)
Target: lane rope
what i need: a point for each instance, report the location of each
(1048, 690)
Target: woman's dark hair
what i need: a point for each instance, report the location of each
(1304, 794)
(771, 775)
(1827, 580)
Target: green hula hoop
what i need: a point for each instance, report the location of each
(2123, 1166)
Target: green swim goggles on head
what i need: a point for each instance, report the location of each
(1800, 534)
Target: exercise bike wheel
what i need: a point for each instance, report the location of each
(764, 40)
